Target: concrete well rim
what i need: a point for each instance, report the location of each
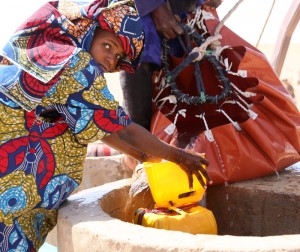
(82, 214)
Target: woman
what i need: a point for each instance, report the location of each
(54, 101)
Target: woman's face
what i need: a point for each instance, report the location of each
(106, 49)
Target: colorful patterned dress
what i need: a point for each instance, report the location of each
(53, 102)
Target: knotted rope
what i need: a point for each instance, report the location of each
(195, 55)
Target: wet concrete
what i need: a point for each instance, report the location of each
(92, 220)
(260, 207)
(255, 215)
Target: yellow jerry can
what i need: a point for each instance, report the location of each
(169, 183)
(194, 220)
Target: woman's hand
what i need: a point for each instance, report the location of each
(194, 163)
(136, 141)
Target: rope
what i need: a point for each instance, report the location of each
(190, 59)
(267, 20)
(222, 22)
(202, 49)
(195, 56)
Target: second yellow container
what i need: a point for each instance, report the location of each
(195, 220)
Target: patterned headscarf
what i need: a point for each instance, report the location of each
(59, 30)
(122, 18)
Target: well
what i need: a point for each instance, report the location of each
(257, 215)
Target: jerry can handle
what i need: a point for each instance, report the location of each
(177, 210)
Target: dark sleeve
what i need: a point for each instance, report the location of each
(200, 2)
(147, 6)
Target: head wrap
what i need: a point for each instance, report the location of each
(121, 17)
(44, 44)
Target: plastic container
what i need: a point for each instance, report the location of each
(169, 183)
(195, 220)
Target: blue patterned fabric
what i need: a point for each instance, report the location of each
(54, 100)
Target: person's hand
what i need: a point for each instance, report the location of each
(165, 22)
(193, 163)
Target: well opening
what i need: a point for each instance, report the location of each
(262, 207)
(84, 223)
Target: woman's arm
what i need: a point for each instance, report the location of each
(117, 143)
(139, 142)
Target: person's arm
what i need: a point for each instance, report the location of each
(117, 143)
(149, 146)
(166, 23)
